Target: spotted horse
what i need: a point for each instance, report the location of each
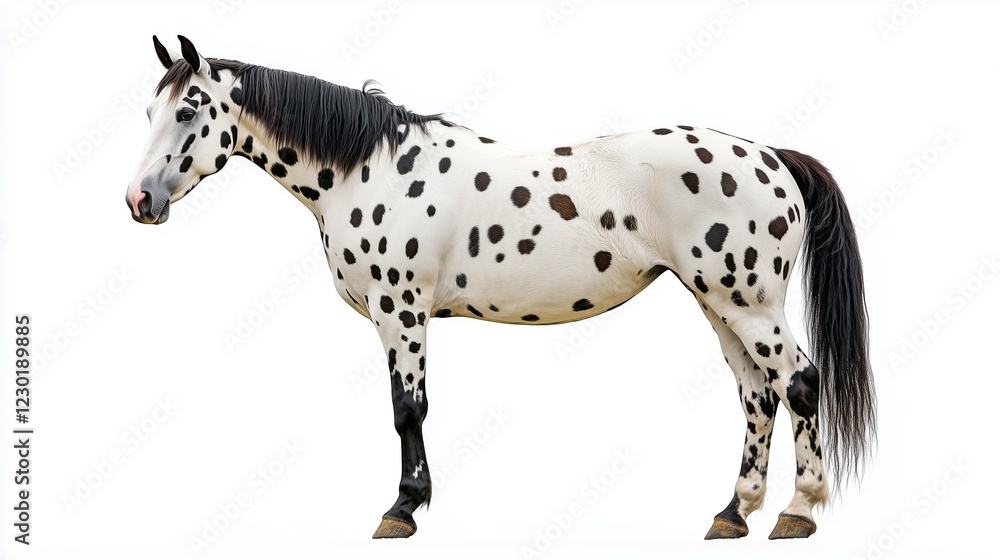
(424, 219)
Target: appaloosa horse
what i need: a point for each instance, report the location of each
(421, 218)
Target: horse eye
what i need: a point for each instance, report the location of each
(185, 115)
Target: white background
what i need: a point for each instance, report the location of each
(833, 80)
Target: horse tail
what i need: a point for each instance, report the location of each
(836, 317)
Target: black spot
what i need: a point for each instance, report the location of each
(763, 349)
(753, 226)
(691, 181)
(278, 170)
(784, 271)
(749, 258)
(778, 227)
(803, 392)
(728, 184)
(411, 247)
(407, 319)
(685, 127)
(392, 276)
(716, 236)
(378, 213)
(537, 229)
(325, 179)
(740, 152)
(608, 220)
(534, 174)
(220, 161)
(356, 217)
(365, 173)
(376, 272)
(495, 233)
(738, 299)
(443, 312)
(416, 189)
(529, 318)
(188, 142)
(525, 246)
(474, 242)
(565, 151)
(225, 140)
(482, 181)
(769, 161)
(450, 143)
(365, 245)
(186, 163)
(704, 155)
(431, 210)
(213, 113)
(382, 246)
(414, 347)
(311, 194)
(630, 222)
(405, 163)
(260, 161)
(563, 205)
(700, 284)
(777, 265)
(461, 280)
(559, 174)
(349, 256)
(582, 305)
(779, 192)
(444, 165)
(692, 139)
(236, 94)
(500, 257)
(486, 140)
(204, 131)
(761, 176)
(696, 252)
(777, 349)
(730, 262)
(728, 281)
(520, 196)
(248, 144)
(602, 260)
(408, 297)
(662, 131)
(474, 311)
(225, 107)
(494, 308)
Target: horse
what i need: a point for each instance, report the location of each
(421, 218)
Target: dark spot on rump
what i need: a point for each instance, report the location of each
(740, 152)
(761, 176)
(564, 151)
(525, 246)
(779, 192)
(704, 155)
(520, 196)
(563, 205)
(728, 184)
(537, 229)
(559, 174)
(500, 257)
(778, 227)
(685, 127)
(662, 131)
(769, 161)
(691, 181)
(716, 236)
(482, 181)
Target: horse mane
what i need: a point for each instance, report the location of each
(335, 125)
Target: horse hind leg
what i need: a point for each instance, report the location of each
(795, 381)
(758, 402)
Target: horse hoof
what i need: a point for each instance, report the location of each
(726, 529)
(792, 527)
(393, 529)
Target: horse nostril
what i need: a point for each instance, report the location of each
(145, 204)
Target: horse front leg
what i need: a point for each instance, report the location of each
(403, 332)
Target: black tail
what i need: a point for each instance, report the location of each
(837, 318)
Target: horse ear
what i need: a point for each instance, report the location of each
(192, 57)
(166, 56)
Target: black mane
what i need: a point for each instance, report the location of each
(335, 125)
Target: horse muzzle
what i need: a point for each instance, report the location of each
(148, 204)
